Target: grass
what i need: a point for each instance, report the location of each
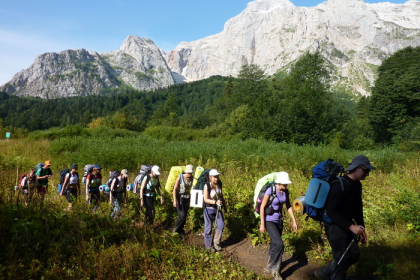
(82, 245)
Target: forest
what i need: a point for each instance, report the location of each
(300, 106)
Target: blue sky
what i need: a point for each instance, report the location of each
(32, 27)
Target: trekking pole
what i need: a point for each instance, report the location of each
(348, 247)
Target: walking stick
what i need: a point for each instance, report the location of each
(348, 247)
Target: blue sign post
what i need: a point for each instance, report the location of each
(7, 135)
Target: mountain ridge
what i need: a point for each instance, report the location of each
(353, 36)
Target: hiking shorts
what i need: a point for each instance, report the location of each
(41, 189)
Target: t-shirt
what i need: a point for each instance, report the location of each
(214, 193)
(74, 178)
(151, 185)
(42, 172)
(94, 181)
(277, 204)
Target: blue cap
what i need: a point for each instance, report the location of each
(97, 166)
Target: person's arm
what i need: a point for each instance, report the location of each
(65, 183)
(262, 212)
(158, 192)
(78, 185)
(174, 192)
(290, 210)
(114, 181)
(87, 186)
(143, 185)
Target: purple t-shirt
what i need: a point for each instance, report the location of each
(278, 202)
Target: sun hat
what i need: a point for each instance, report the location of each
(360, 160)
(47, 162)
(124, 172)
(155, 169)
(283, 178)
(189, 169)
(213, 172)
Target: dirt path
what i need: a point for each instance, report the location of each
(255, 259)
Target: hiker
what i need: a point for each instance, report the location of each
(93, 181)
(181, 196)
(118, 190)
(27, 186)
(344, 207)
(148, 190)
(42, 176)
(273, 223)
(213, 200)
(71, 186)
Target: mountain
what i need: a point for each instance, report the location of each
(352, 35)
(138, 63)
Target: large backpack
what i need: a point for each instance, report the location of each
(63, 174)
(173, 175)
(262, 185)
(144, 171)
(86, 171)
(316, 197)
(113, 175)
(21, 179)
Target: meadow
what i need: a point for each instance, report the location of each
(52, 243)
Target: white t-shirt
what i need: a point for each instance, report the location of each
(74, 179)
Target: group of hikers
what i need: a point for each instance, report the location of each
(344, 207)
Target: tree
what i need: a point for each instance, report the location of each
(307, 110)
(395, 101)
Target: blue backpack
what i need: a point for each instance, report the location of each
(323, 175)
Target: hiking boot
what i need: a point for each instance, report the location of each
(277, 276)
(320, 275)
(217, 247)
(212, 250)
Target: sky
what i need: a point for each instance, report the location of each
(32, 27)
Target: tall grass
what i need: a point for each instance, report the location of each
(391, 200)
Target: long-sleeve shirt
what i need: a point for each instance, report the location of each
(345, 206)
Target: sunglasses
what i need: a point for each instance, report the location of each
(365, 170)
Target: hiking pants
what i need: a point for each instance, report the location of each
(149, 202)
(182, 206)
(94, 199)
(339, 240)
(117, 199)
(209, 217)
(71, 195)
(275, 252)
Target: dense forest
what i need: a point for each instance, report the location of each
(300, 106)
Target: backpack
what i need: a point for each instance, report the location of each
(316, 197)
(263, 182)
(86, 171)
(113, 175)
(63, 174)
(268, 209)
(21, 180)
(144, 170)
(39, 166)
(173, 175)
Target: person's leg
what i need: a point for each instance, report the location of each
(182, 210)
(150, 208)
(94, 200)
(209, 215)
(218, 232)
(276, 246)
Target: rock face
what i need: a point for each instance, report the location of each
(354, 36)
(139, 63)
